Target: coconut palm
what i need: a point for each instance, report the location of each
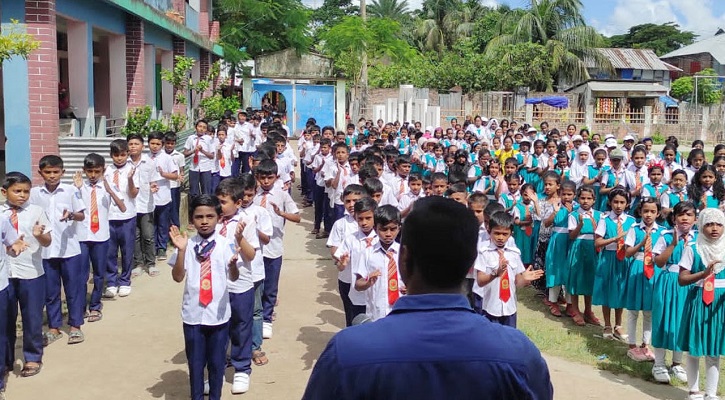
(391, 9)
(442, 22)
(559, 26)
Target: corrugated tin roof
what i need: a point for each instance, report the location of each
(715, 46)
(645, 59)
(600, 86)
(671, 67)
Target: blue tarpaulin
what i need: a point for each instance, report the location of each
(668, 101)
(553, 101)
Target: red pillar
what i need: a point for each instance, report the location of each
(135, 62)
(43, 80)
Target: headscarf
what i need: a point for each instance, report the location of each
(711, 249)
(578, 168)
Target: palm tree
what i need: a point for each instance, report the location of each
(559, 26)
(443, 22)
(391, 9)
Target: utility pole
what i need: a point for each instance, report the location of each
(364, 69)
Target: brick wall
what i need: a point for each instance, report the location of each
(43, 80)
(179, 49)
(135, 62)
(214, 31)
(204, 18)
(204, 67)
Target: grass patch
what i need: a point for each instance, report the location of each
(560, 337)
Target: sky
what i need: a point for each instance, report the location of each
(612, 17)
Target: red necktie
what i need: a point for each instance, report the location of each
(528, 229)
(620, 242)
(116, 178)
(649, 266)
(95, 222)
(196, 151)
(222, 160)
(205, 292)
(708, 290)
(393, 292)
(14, 217)
(504, 289)
(401, 189)
(638, 178)
(225, 221)
(368, 242)
(263, 203)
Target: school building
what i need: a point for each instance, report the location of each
(97, 58)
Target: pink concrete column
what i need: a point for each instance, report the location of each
(179, 49)
(135, 62)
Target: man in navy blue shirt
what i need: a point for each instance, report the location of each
(432, 345)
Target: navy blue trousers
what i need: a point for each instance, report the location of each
(240, 330)
(94, 254)
(123, 238)
(272, 269)
(175, 205)
(29, 296)
(67, 271)
(205, 348)
(3, 337)
(161, 224)
(351, 310)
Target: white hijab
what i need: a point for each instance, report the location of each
(711, 249)
(580, 169)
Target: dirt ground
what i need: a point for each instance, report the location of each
(137, 350)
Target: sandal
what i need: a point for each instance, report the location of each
(136, 272)
(591, 319)
(75, 337)
(31, 370)
(622, 337)
(315, 231)
(554, 309)
(51, 337)
(607, 333)
(96, 315)
(578, 319)
(259, 358)
(570, 311)
(153, 271)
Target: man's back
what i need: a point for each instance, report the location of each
(430, 347)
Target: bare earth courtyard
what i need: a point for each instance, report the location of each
(136, 351)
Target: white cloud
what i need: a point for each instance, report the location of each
(697, 16)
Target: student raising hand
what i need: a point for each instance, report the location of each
(178, 238)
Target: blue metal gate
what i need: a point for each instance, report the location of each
(303, 102)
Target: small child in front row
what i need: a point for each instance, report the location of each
(241, 230)
(26, 289)
(95, 234)
(525, 228)
(640, 241)
(62, 258)
(702, 331)
(377, 273)
(495, 266)
(557, 265)
(206, 260)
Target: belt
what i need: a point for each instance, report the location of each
(586, 236)
(673, 268)
(559, 229)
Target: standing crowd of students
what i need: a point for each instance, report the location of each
(622, 226)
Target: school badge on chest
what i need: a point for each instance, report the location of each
(393, 285)
(206, 284)
(709, 286)
(504, 284)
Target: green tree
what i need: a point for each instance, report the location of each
(14, 42)
(558, 25)
(392, 9)
(331, 13)
(663, 38)
(441, 23)
(709, 91)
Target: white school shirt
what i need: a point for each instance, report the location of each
(164, 162)
(244, 282)
(487, 262)
(660, 246)
(64, 237)
(264, 225)
(409, 198)
(218, 310)
(690, 172)
(396, 183)
(143, 177)
(376, 296)
(121, 191)
(602, 226)
(241, 132)
(290, 154)
(335, 193)
(630, 177)
(388, 176)
(340, 229)
(284, 169)
(103, 203)
(388, 198)
(256, 133)
(206, 142)
(515, 197)
(316, 163)
(436, 164)
(311, 150)
(668, 170)
(620, 177)
(284, 201)
(354, 246)
(631, 239)
(226, 170)
(29, 263)
(180, 161)
(9, 236)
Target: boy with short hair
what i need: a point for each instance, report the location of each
(282, 208)
(377, 273)
(241, 230)
(495, 266)
(458, 192)
(320, 198)
(122, 223)
(201, 148)
(95, 234)
(224, 156)
(399, 181)
(438, 184)
(62, 258)
(350, 252)
(285, 168)
(337, 176)
(180, 160)
(145, 175)
(415, 192)
(167, 172)
(26, 284)
(512, 195)
(209, 260)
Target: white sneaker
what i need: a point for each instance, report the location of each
(206, 387)
(659, 372)
(110, 292)
(266, 330)
(679, 372)
(708, 397)
(241, 383)
(124, 291)
(695, 396)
